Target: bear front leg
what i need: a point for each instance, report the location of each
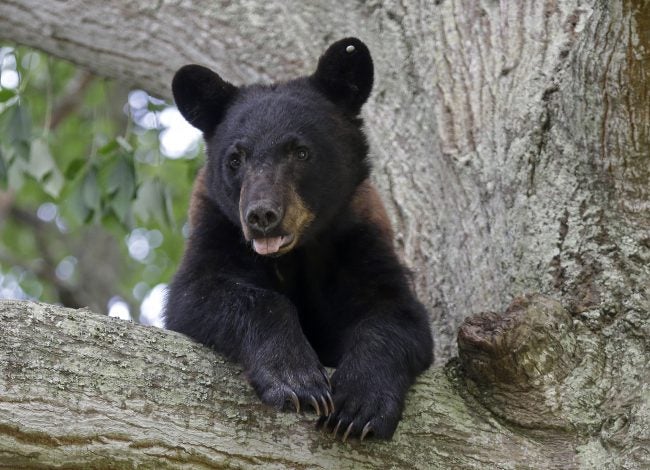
(259, 329)
(282, 366)
(384, 354)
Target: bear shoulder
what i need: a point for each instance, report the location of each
(368, 207)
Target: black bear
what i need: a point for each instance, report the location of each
(290, 264)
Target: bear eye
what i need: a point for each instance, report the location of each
(302, 154)
(234, 161)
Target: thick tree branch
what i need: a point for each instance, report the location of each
(81, 390)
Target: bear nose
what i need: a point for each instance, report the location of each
(263, 215)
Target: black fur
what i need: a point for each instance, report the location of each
(201, 96)
(345, 74)
(340, 296)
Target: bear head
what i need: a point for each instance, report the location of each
(283, 160)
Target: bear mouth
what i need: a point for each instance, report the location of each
(273, 245)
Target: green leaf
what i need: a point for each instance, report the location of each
(74, 167)
(151, 202)
(40, 160)
(108, 148)
(156, 104)
(123, 173)
(20, 124)
(16, 173)
(43, 168)
(53, 183)
(145, 202)
(121, 185)
(76, 205)
(21, 151)
(6, 94)
(90, 192)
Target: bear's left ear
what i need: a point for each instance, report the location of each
(202, 96)
(345, 74)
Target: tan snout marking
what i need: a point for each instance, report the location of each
(297, 218)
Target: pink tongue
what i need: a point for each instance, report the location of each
(266, 246)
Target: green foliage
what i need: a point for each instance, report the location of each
(70, 139)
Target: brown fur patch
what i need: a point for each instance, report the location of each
(297, 217)
(367, 205)
(198, 195)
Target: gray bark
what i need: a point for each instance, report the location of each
(81, 390)
(512, 143)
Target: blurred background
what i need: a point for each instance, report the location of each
(95, 180)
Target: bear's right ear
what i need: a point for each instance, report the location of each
(202, 96)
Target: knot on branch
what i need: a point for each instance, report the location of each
(521, 363)
(530, 344)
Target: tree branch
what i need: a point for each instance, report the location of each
(72, 98)
(82, 390)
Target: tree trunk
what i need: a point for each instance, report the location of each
(512, 143)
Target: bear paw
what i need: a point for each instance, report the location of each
(362, 410)
(294, 387)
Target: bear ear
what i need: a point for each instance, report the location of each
(345, 74)
(202, 96)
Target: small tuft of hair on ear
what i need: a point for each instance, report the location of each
(345, 74)
(202, 96)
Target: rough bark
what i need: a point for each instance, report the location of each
(80, 390)
(512, 143)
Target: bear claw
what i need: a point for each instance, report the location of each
(366, 429)
(295, 400)
(331, 402)
(326, 408)
(336, 429)
(347, 431)
(314, 404)
(323, 421)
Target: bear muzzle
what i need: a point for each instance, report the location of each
(275, 228)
